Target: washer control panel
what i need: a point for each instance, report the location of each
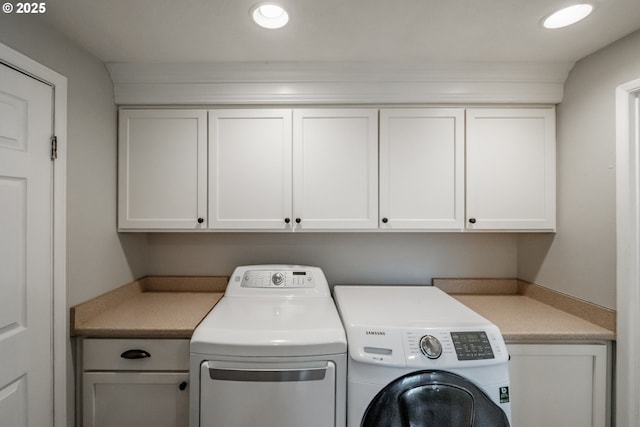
(480, 345)
(278, 279)
(428, 347)
(472, 345)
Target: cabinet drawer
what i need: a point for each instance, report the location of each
(163, 354)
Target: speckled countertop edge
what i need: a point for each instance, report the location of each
(151, 307)
(529, 312)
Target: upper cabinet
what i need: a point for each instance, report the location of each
(510, 165)
(440, 169)
(422, 168)
(250, 169)
(335, 169)
(307, 169)
(162, 169)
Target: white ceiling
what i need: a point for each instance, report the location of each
(338, 30)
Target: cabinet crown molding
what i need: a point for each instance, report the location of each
(249, 83)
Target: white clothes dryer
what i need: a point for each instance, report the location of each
(418, 357)
(271, 353)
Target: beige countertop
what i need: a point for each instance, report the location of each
(152, 307)
(521, 318)
(527, 312)
(172, 307)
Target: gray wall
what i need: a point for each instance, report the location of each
(581, 259)
(346, 258)
(98, 259)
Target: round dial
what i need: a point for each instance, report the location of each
(277, 278)
(430, 346)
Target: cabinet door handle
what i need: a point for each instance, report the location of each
(287, 220)
(472, 220)
(385, 220)
(183, 385)
(200, 220)
(135, 354)
(298, 220)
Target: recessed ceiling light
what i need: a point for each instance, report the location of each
(269, 15)
(567, 16)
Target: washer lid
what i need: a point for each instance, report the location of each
(266, 326)
(403, 307)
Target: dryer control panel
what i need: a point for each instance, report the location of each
(277, 279)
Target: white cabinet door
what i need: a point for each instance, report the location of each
(335, 169)
(162, 169)
(422, 168)
(559, 385)
(511, 169)
(118, 399)
(250, 169)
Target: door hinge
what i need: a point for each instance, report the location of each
(54, 147)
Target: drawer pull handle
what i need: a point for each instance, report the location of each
(183, 385)
(135, 354)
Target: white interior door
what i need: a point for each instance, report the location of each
(26, 373)
(628, 252)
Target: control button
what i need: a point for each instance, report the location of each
(430, 346)
(277, 278)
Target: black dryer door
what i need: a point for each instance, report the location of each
(433, 399)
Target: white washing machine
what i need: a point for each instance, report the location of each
(418, 357)
(271, 353)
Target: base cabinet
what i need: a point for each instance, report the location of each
(559, 385)
(128, 382)
(135, 399)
